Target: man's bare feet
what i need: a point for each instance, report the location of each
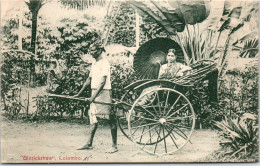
(86, 147)
(112, 150)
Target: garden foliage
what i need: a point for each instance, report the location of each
(17, 74)
(237, 94)
(74, 41)
(238, 105)
(13, 102)
(122, 30)
(239, 135)
(71, 37)
(70, 82)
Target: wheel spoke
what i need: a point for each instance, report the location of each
(152, 105)
(145, 132)
(157, 140)
(148, 111)
(142, 133)
(161, 120)
(179, 118)
(178, 110)
(159, 102)
(171, 134)
(150, 138)
(166, 103)
(182, 132)
(180, 126)
(133, 122)
(149, 124)
(158, 133)
(138, 125)
(173, 105)
(184, 137)
(145, 118)
(150, 135)
(164, 139)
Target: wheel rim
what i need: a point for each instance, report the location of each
(162, 125)
(130, 96)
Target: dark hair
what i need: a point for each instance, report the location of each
(172, 50)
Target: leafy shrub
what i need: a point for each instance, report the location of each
(58, 107)
(206, 111)
(75, 39)
(237, 94)
(239, 135)
(121, 76)
(41, 78)
(12, 101)
(122, 30)
(70, 82)
(250, 49)
(14, 72)
(14, 69)
(150, 30)
(17, 66)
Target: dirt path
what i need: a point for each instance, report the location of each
(30, 142)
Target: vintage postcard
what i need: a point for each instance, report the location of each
(129, 81)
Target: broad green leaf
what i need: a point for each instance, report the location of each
(191, 11)
(146, 10)
(231, 14)
(173, 15)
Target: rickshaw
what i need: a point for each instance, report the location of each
(154, 113)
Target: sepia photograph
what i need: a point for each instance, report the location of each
(129, 81)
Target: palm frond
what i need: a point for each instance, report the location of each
(34, 5)
(249, 36)
(250, 49)
(81, 4)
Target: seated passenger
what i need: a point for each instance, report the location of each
(172, 69)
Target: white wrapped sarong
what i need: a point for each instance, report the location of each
(100, 110)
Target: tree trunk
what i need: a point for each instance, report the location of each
(33, 48)
(224, 56)
(20, 44)
(34, 30)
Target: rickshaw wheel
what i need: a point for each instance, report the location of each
(162, 125)
(128, 97)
